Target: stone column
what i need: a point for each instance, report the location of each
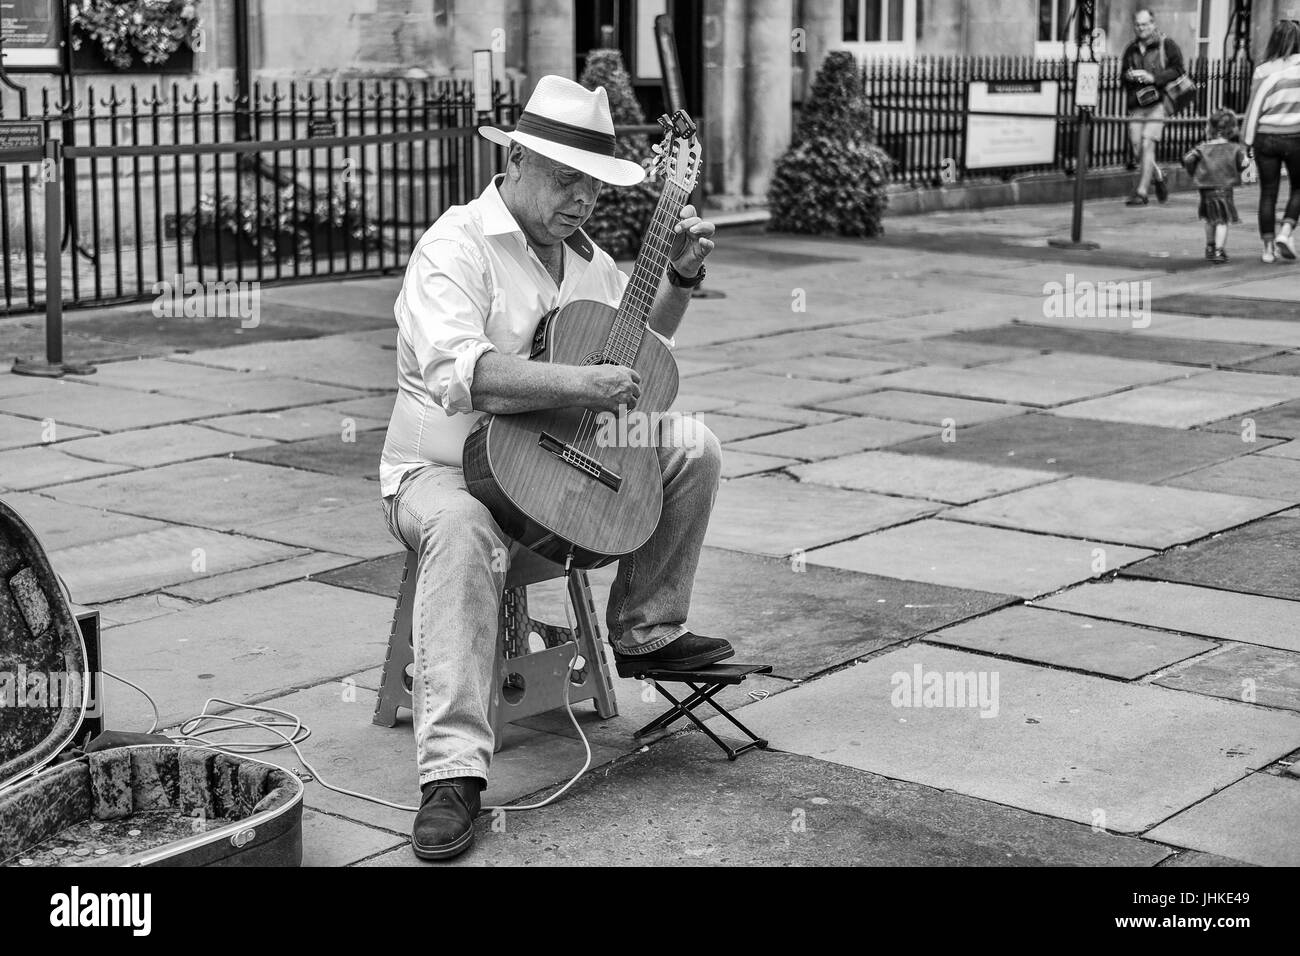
(823, 31)
(475, 24)
(724, 101)
(767, 90)
(548, 32)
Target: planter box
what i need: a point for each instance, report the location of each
(89, 59)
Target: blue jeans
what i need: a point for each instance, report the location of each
(462, 572)
(1271, 153)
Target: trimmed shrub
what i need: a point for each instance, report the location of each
(833, 177)
(622, 213)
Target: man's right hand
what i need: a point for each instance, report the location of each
(606, 387)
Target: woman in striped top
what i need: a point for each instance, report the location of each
(1272, 131)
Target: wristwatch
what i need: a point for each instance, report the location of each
(680, 281)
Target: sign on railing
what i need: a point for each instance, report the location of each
(1010, 123)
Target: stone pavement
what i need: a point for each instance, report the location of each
(1023, 557)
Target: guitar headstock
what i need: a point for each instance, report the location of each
(677, 156)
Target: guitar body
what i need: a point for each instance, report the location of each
(550, 480)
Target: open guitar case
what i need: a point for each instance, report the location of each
(155, 804)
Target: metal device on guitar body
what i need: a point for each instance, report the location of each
(543, 475)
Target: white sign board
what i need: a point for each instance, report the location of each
(1087, 81)
(1010, 123)
(483, 81)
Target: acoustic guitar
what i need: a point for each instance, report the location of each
(553, 479)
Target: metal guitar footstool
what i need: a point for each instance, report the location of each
(704, 683)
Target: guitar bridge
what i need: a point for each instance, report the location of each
(580, 460)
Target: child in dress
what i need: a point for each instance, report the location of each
(1215, 166)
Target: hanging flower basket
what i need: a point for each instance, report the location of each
(134, 35)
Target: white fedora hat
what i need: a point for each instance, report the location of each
(570, 124)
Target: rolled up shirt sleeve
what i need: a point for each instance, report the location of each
(447, 301)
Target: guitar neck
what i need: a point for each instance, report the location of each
(630, 325)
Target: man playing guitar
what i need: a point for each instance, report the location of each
(477, 284)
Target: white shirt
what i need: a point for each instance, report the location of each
(473, 285)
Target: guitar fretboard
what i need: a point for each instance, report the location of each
(629, 327)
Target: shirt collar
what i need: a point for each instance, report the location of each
(497, 220)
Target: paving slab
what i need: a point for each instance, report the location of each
(992, 383)
(11, 384)
(331, 454)
(147, 447)
(217, 586)
(923, 409)
(934, 323)
(142, 607)
(158, 374)
(264, 393)
(1119, 511)
(332, 360)
(1281, 333)
(1112, 344)
(377, 407)
(828, 440)
(1253, 820)
(1262, 557)
(919, 476)
(785, 346)
(1193, 858)
(943, 350)
(1248, 618)
(108, 409)
(1062, 744)
(333, 841)
(249, 647)
(1256, 675)
(829, 368)
(22, 469)
(732, 428)
(358, 530)
(774, 515)
(1097, 368)
(1084, 447)
(1258, 476)
(745, 386)
(20, 432)
(803, 622)
(1279, 421)
(62, 525)
(783, 413)
(738, 464)
(1282, 387)
(1065, 640)
(970, 556)
(121, 567)
(382, 575)
(1289, 449)
(679, 804)
(295, 424)
(220, 493)
(1166, 406)
(1280, 363)
(353, 753)
(691, 402)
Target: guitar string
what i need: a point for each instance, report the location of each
(624, 342)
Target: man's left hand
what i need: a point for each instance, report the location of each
(692, 243)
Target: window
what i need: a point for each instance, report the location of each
(1212, 29)
(880, 26)
(1056, 30)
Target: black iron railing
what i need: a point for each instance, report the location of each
(338, 179)
(920, 112)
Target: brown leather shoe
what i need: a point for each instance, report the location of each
(444, 827)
